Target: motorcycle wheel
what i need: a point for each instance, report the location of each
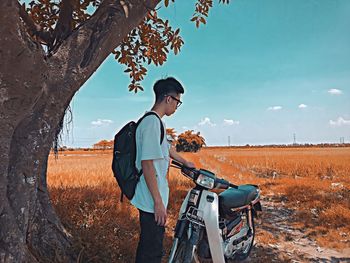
(183, 252)
(180, 251)
(242, 255)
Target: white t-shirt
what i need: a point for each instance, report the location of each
(148, 147)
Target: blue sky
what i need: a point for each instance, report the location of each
(259, 72)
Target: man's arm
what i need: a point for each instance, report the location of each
(174, 155)
(150, 176)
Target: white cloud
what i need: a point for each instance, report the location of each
(206, 121)
(302, 106)
(339, 122)
(230, 122)
(274, 108)
(101, 122)
(335, 91)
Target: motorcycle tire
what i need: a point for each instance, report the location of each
(245, 254)
(188, 258)
(183, 253)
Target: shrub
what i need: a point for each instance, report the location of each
(189, 142)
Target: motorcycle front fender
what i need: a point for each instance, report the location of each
(209, 204)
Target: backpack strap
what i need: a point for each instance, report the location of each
(161, 124)
(161, 130)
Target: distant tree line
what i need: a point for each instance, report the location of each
(188, 141)
(294, 145)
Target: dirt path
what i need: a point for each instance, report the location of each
(295, 245)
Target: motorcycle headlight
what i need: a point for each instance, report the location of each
(205, 181)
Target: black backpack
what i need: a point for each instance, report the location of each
(124, 156)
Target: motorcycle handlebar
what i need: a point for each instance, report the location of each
(190, 172)
(177, 163)
(222, 183)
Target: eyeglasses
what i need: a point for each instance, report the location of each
(178, 102)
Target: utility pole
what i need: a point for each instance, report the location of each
(294, 139)
(229, 141)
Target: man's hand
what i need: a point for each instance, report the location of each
(174, 155)
(160, 213)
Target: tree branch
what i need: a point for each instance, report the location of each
(89, 45)
(34, 29)
(18, 51)
(64, 25)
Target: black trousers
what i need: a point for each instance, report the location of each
(150, 247)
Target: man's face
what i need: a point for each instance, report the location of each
(173, 101)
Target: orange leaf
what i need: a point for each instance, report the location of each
(197, 23)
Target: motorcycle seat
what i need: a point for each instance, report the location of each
(233, 198)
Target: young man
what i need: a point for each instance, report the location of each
(152, 192)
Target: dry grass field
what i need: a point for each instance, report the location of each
(306, 196)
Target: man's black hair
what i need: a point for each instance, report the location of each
(166, 87)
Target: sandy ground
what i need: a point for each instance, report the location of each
(296, 246)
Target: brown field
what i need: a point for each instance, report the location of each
(306, 195)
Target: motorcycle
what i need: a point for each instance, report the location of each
(214, 227)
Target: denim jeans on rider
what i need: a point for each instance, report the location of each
(150, 247)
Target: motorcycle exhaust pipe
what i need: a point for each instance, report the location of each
(250, 219)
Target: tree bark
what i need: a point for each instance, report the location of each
(35, 90)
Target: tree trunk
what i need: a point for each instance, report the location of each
(34, 93)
